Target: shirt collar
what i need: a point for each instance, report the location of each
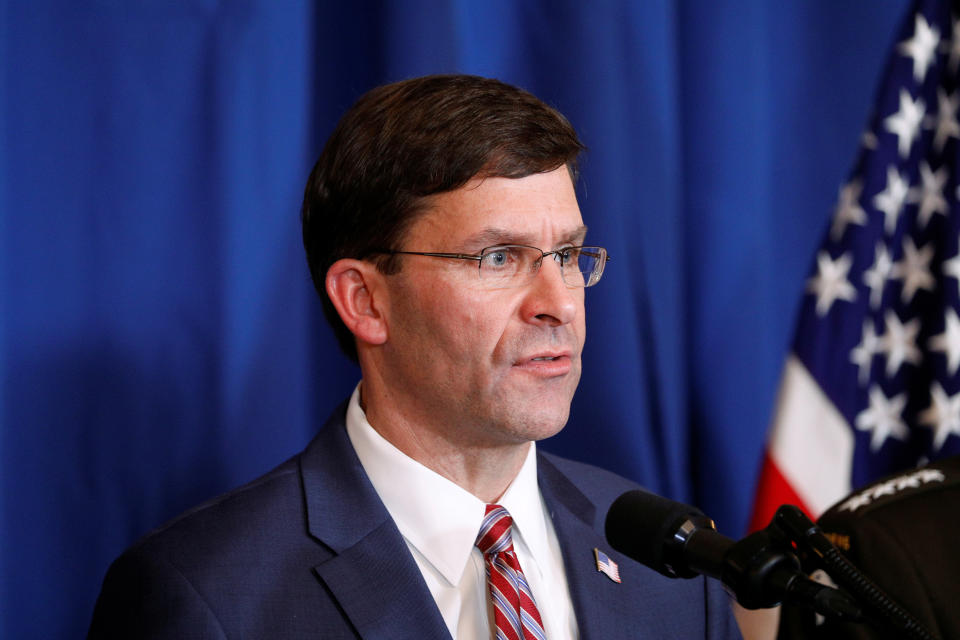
(522, 500)
(436, 516)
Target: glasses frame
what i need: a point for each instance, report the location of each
(556, 253)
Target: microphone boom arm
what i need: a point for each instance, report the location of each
(758, 573)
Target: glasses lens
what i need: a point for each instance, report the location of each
(582, 266)
(573, 263)
(507, 265)
(515, 265)
(590, 263)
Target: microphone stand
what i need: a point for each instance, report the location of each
(791, 529)
(763, 571)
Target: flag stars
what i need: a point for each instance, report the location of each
(831, 283)
(948, 342)
(906, 173)
(942, 416)
(876, 276)
(914, 270)
(883, 418)
(905, 123)
(848, 210)
(921, 47)
(899, 342)
(890, 200)
(947, 125)
(862, 354)
(930, 195)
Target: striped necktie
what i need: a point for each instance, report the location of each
(514, 609)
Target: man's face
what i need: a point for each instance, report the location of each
(488, 367)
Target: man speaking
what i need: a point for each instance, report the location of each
(443, 234)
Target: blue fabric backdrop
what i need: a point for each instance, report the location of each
(159, 338)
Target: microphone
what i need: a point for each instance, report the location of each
(679, 541)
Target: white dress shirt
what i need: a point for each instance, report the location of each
(439, 521)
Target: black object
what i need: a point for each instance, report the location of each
(820, 553)
(901, 532)
(679, 541)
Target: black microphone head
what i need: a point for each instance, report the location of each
(641, 525)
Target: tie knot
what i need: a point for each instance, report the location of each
(494, 535)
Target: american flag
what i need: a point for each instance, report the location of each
(607, 566)
(871, 386)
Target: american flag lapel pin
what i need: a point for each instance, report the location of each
(606, 566)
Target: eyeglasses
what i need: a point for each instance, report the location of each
(514, 265)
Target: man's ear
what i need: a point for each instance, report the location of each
(356, 290)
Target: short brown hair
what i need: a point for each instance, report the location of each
(404, 141)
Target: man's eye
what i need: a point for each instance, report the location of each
(497, 258)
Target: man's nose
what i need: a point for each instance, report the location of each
(549, 300)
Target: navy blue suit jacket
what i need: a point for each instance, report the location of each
(309, 551)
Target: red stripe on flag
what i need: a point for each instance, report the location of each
(773, 490)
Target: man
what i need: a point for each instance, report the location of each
(443, 234)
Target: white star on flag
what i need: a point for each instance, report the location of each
(831, 282)
(947, 125)
(848, 210)
(943, 415)
(905, 123)
(876, 276)
(921, 47)
(890, 200)
(930, 195)
(914, 270)
(899, 342)
(862, 354)
(948, 342)
(883, 418)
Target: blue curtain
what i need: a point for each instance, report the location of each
(160, 341)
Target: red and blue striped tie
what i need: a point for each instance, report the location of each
(514, 609)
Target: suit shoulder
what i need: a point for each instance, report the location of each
(600, 486)
(246, 513)
(588, 473)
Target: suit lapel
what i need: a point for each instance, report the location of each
(604, 608)
(371, 573)
(380, 588)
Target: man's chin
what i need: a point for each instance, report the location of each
(546, 423)
(532, 412)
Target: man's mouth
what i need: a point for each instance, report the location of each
(549, 365)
